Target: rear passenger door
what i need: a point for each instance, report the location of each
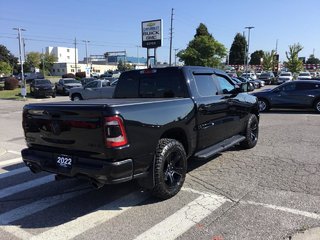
(212, 110)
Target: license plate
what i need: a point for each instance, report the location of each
(64, 161)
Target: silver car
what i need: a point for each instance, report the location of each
(92, 90)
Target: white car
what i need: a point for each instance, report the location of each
(249, 74)
(304, 76)
(284, 77)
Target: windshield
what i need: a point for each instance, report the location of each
(38, 82)
(304, 74)
(71, 81)
(285, 74)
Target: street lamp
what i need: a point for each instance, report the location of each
(249, 28)
(88, 72)
(23, 88)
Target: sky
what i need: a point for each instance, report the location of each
(116, 25)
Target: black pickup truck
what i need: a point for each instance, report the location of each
(157, 119)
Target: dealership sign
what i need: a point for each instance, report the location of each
(152, 33)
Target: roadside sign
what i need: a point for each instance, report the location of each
(152, 33)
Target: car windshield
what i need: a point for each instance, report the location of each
(39, 82)
(286, 74)
(71, 81)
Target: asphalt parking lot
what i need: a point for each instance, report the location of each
(269, 192)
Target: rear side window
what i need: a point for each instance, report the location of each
(305, 86)
(205, 85)
(151, 83)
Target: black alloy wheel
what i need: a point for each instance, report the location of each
(170, 168)
(252, 133)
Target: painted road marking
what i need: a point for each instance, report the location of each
(37, 206)
(10, 162)
(25, 186)
(182, 220)
(78, 226)
(6, 174)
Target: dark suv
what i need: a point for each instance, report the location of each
(267, 77)
(42, 87)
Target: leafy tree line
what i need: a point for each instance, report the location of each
(9, 64)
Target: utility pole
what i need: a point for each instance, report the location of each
(249, 28)
(43, 63)
(175, 56)
(245, 51)
(277, 46)
(86, 43)
(23, 89)
(171, 32)
(75, 54)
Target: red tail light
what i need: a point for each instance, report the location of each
(115, 134)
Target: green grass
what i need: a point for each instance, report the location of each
(13, 94)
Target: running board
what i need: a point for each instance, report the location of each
(219, 147)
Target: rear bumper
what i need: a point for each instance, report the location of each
(97, 169)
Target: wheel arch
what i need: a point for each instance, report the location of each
(180, 135)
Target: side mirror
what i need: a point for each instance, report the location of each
(245, 87)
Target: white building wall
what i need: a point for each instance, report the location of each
(60, 69)
(64, 55)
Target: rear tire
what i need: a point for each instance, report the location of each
(76, 97)
(317, 105)
(263, 105)
(252, 133)
(170, 168)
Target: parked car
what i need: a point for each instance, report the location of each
(267, 77)
(114, 83)
(93, 90)
(42, 88)
(284, 77)
(239, 82)
(294, 94)
(304, 76)
(255, 84)
(65, 84)
(249, 74)
(157, 120)
(85, 81)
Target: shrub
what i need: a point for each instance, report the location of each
(11, 83)
(68, 75)
(81, 74)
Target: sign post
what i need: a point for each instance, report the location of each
(152, 37)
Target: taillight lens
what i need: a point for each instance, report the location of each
(115, 134)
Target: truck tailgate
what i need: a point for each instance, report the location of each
(72, 127)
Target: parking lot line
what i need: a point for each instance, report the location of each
(37, 206)
(14, 152)
(284, 209)
(182, 220)
(25, 186)
(11, 161)
(80, 225)
(6, 174)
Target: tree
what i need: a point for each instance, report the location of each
(203, 50)
(268, 60)
(47, 62)
(294, 64)
(5, 68)
(7, 56)
(124, 66)
(237, 50)
(33, 60)
(313, 60)
(255, 57)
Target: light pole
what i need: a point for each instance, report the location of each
(23, 89)
(175, 56)
(249, 28)
(87, 69)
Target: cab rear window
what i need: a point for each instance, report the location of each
(151, 83)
